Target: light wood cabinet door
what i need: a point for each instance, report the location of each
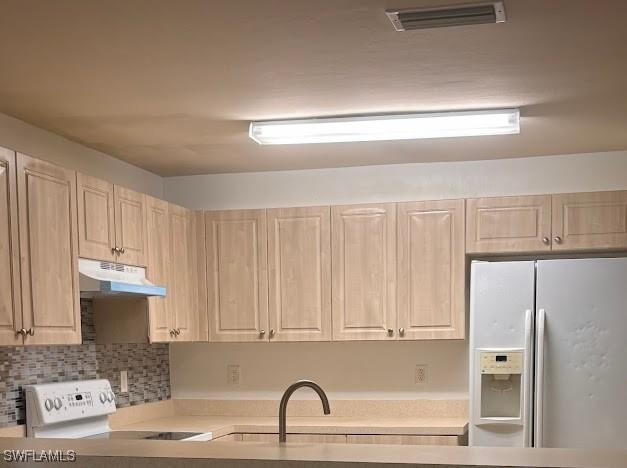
(130, 226)
(181, 302)
(237, 281)
(509, 224)
(10, 299)
(590, 221)
(158, 271)
(299, 271)
(431, 270)
(49, 252)
(390, 439)
(199, 255)
(298, 438)
(96, 218)
(363, 259)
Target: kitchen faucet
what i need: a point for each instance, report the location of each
(286, 397)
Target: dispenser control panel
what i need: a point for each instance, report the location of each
(510, 362)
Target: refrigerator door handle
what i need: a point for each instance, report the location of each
(539, 378)
(527, 381)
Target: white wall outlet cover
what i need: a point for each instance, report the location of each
(232, 374)
(421, 376)
(124, 381)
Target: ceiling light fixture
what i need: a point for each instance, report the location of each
(386, 127)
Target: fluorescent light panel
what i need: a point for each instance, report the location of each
(386, 127)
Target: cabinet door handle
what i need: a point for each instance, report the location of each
(546, 240)
(401, 331)
(261, 333)
(122, 250)
(114, 250)
(178, 331)
(390, 332)
(557, 239)
(21, 331)
(271, 332)
(30, 332)
(172, 333)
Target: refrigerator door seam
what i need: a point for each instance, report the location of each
(527, 370)
(539, 393)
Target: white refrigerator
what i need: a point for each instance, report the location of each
(548, 353)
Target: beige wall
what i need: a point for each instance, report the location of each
(353, 370)
(402, 182)
(20, 136)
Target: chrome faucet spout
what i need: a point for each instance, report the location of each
(286, 398)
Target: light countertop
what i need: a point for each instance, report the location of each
(223, 425)
(157, 454)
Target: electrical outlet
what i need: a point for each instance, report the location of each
(232, 374)
(124, 381)
(421, 374)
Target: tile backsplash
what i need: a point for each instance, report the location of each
(148, 369)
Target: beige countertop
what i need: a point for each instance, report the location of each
(140, 453)
(222, 425)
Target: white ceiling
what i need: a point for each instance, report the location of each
(170, 86)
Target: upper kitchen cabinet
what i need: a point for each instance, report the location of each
(508, 224)
(363, 252)
(96, 226)
(589, 221)
(49, 252)
(237, 279)
(431, 270)
(199, 257)
(299, 272)
(112, 222)
(10, 300)
(158, 271)
(181, 299)
(130, 226)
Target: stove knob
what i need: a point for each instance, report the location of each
(48, 404)
(58, 403)
(103, 397)
(110, 396)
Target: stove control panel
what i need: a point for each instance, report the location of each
(68, 401)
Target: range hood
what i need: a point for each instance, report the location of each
(107, 279)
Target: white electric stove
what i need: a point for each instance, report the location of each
(80, 409)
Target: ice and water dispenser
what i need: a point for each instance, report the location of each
(500, 381)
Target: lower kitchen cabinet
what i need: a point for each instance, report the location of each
(301, 438)
(47, 212)
(299, 272)
(10, 299)
(431, 270)
(228, 438)
(590, 221)
(391, 439)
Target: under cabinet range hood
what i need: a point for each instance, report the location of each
(106, 279)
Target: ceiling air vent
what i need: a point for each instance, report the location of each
(452, 15)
